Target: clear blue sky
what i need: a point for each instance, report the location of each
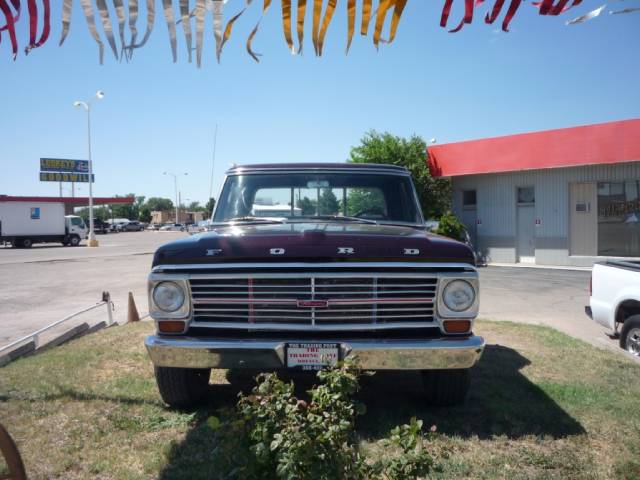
(160, 116)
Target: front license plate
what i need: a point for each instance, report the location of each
(312, 356)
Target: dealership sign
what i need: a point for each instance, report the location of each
(66, 177)
(64, 170)
(62, 165)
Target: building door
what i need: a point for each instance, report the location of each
(470, 216)
(584, 219)
(526, 210)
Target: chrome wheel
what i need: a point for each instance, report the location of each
(633, 342)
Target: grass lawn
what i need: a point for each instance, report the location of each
(542, 405)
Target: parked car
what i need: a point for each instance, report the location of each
(178, 227)
(154, 226)
(615, 301)
(100, 226)
(305, 291)
(131, 227)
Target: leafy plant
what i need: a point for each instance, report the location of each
(451, 227)
(274, 434)
(411, 153)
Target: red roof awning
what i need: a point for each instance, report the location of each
(79, 201)
(603, 143)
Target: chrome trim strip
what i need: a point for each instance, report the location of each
(383, 354)
(307, 327)
(294, 301)
(356, 265)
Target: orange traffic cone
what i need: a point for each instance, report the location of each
(132, 313)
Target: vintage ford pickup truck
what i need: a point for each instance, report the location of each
(307, 265)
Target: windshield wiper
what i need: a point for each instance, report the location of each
(342, 219)
(254, 219)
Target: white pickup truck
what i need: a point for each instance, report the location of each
(615, 301)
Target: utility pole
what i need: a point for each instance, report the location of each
(175, 186)
(87, 106)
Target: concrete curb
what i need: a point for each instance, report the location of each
(21, 351)
(30, 347)
(65, 337)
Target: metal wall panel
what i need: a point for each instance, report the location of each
(496, 209)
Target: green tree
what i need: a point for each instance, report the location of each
(365, 200)
(307, 206)
(195, 207)
(103, 213)
(145, 214)
(157, 204)
(208, 208)
(122, 210)
(375, 147)
(328, 203)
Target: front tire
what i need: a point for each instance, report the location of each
(182, 387)
(74, 241)
(26, 243)
(630, 335)
(446, 388)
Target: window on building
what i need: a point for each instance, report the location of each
(468, 198)
(526, 195)
(619, 219)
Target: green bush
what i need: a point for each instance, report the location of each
(273, 434)
(451, 227)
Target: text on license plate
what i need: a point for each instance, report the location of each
(312, 355)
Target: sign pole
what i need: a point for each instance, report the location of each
(60, 188)
(92, 235)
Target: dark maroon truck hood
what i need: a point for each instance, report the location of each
(313, 242)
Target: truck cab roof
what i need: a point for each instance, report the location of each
(274, 167)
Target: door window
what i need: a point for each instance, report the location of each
(469, 198)
(526, 195)
(619, 218)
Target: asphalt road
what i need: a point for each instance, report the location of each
(541, 296)
(46, 283)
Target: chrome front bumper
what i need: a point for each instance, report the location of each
(382, 354)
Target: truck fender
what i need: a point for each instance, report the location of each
(625, 295)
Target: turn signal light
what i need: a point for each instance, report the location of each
(457, 326)
(170, 326)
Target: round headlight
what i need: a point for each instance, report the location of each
(168, 296)
(459, 296)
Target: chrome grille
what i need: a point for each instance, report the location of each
(321, 301)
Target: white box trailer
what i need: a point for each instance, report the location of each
(24, 223)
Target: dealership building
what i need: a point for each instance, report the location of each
(558, 197)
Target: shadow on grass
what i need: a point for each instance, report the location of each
(501, 401)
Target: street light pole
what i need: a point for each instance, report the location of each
(175, 186)
(87, 106)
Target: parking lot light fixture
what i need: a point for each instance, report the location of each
(175, 186)
(87, 106)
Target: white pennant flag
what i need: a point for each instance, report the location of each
(588, 16)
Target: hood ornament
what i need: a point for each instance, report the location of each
(411, 251)
(346, 250)
(212, 252)
(277, 251)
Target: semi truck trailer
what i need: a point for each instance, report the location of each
(24, 223)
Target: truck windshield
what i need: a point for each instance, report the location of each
(381, 197)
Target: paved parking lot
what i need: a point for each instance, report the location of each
(46, 283)
(541, 296)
